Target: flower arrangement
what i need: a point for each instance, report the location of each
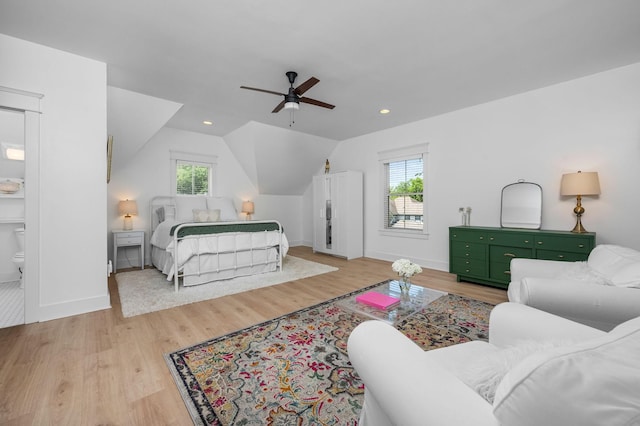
(405, 268)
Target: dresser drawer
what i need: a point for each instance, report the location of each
(512, 240)
(503, 255)
(468, 267)
(558, 243)
(468, 250)
(560, 255)
(500, 272)
(468, 235)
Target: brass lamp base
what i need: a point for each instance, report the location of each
(579, 229)
(579, 211)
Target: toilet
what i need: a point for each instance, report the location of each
(18, 258)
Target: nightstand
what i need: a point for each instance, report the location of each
(131, 238)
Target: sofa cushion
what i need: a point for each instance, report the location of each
(591, 383)
(607, 259)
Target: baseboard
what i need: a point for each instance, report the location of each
(438, 265)
(73, 307)
(9, 277)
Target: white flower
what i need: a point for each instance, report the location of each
(406, 268)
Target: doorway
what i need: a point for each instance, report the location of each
(20, 131)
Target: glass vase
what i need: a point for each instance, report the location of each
(405, 286)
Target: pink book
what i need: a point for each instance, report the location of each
(377, 300)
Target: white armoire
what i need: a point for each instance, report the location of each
(338, 214)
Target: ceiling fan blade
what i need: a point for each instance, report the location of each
(263, 90)
(306, 86)
(317, 103)
(279, 107)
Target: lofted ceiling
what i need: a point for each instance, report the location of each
(416, 58)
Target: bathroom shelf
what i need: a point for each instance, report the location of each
(12, 220)
(19, 194)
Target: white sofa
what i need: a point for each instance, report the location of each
(574, 375)
(602, 292)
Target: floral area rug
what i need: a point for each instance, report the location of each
(294, 370)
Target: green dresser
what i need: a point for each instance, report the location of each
(482, 254)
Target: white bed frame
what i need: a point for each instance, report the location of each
(169, 202)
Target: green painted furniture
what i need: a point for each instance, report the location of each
(482, 254)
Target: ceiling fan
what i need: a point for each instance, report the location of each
(293, 98)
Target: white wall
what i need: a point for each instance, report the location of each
(589, 124)
(72, 175)
(147, 174)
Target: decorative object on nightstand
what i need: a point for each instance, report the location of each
(127, 208)
(127, 238)
(248, 208)
(579, 184)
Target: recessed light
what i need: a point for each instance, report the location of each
(384, 111)
(207, 123)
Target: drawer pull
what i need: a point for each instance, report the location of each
(466, 246)
(580, 245)
(526, 241)
(561, 256)
(466, 254)
(491, 239)
(466, 270)
(539, 243)
(509, 255)
(482, 238)
(507, 272)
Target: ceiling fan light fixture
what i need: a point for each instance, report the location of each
(291, 105)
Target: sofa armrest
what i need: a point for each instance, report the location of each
(597, 305)
(512, 322)
(521, 268)
(406, 386)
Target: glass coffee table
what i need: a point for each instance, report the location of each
(417, 299)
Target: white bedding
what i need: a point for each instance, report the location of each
(221, 256)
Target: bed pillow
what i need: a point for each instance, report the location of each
(200, 215)
(186, 205)
(160, 214)
(227, 209)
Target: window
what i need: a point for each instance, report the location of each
(192, 178)
(403, 172)
(192, 174)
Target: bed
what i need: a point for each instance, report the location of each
(197, 240)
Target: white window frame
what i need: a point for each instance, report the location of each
(400, 154)
(197, 159)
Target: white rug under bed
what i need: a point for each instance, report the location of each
(148, 290)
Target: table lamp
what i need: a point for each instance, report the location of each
(579, 184)
(127, 208)
(248, 208)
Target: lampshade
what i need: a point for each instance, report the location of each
(247, 207)
(292, 105)
(127, 207)
(581, 183)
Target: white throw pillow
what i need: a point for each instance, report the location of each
(607, 259)
(200, 215)
(590, 383)
(185, 206)
(629, 276)
(225, 205)
(484, 373)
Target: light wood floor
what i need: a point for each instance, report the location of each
(101, 368)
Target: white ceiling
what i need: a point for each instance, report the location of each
(417, 58)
